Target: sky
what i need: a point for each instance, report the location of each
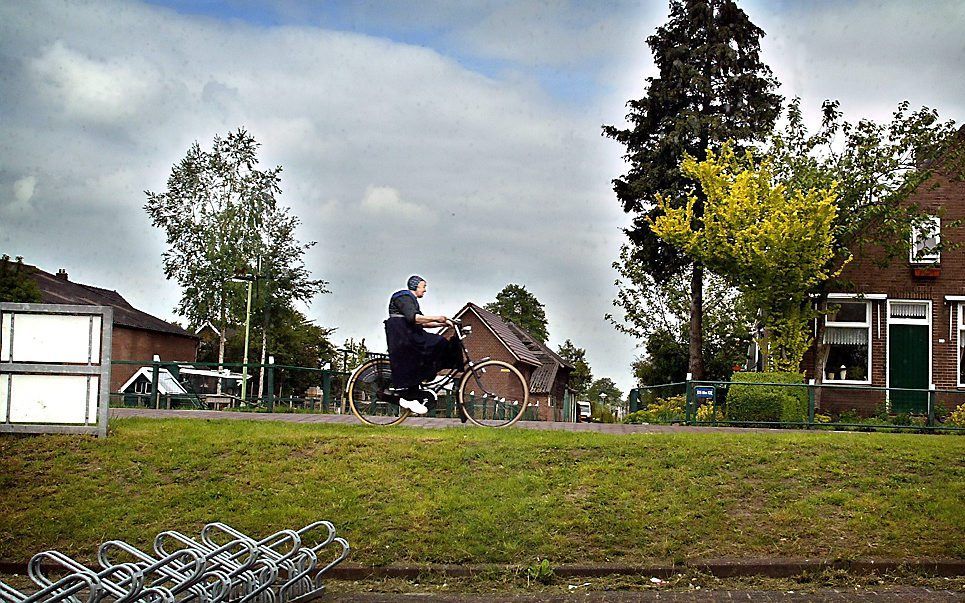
(455, 140)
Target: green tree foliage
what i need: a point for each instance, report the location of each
(356, 354)
(712, 87)
(771, 241)
(665, 360)
(15, 282)
(581, 376)
(221, 218)
(602, 406)
(514, 303)
(658, 313)
(297, 341)
(873, 167)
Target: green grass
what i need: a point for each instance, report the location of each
(487, 496)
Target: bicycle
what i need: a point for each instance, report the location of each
(490, 393)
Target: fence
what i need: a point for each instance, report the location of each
(797, 405)
(214, 386)
(282, 388)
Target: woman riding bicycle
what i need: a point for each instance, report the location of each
(414, 354)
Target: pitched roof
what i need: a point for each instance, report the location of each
(58, 290)
(523, 346)
(503, 332)
(543, 378)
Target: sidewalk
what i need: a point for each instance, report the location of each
(349, 419)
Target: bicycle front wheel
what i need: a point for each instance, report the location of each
(369, 397)
(493, 394)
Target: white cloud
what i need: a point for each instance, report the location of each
(386, 202)
(101, 91)
(23, 192)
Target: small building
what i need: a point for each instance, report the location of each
(183, 384)
(902, 325)
(544, 370)
(136, 336)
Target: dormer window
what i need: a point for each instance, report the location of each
(925, 240)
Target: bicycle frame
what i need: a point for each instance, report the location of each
(440, 382)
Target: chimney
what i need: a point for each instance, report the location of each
(62, 274)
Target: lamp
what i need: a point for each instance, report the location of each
(248, 278)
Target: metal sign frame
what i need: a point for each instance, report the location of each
(101, 369)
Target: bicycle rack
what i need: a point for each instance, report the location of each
(223, 566)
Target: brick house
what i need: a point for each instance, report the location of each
(902, 326)
(136, 335)
(544, 370)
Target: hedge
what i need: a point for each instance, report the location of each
(767, 403)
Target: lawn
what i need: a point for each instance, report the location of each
(488, 496)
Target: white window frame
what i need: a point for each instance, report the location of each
(959, 333)
(932, 258)
(853, 325)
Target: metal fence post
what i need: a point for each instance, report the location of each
(932, 398)
(270, 384)
(688, 410)
(155, 378)
(810, 403)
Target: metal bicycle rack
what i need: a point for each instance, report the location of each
(223, 565)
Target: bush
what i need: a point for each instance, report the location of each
(661, 410)
(707, 412)
(767, 403)
(957, 418)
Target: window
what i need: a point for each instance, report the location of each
(925, 240)
(848, 334)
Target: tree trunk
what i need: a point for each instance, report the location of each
(696, 365)
(221, 344)
(821, 349)
(261, 372)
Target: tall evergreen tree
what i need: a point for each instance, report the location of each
(582, 375)
(517, 305)
(712, 88)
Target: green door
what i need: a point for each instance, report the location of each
(908, 366)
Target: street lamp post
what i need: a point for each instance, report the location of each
(244, 367)
(602, 403)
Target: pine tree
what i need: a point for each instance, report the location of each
(712, 88)
(517, 305)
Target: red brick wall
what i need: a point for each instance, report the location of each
(940, 196)
(482, 343)
(140, 345)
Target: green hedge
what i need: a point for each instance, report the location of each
(767, 403)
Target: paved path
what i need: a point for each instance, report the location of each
(617, 428)
(890, 595)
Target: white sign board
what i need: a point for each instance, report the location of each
(54, 368)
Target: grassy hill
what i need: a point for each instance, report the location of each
(481, 496)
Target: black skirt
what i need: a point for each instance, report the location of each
(416, 355)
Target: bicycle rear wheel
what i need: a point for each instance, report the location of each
(368, 394)
(494, 394)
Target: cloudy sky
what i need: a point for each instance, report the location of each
(457, 140)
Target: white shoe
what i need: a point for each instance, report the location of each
(414, 405)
